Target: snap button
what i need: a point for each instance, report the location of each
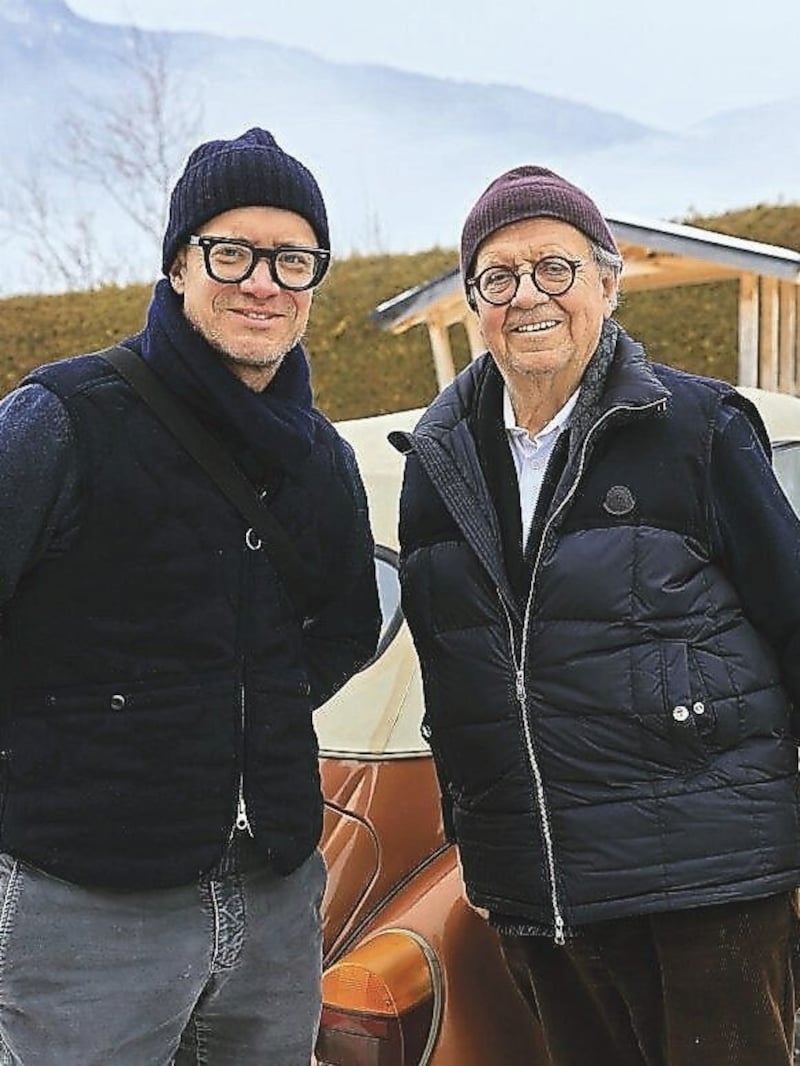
(117, 702)
(699, 708)
(252, 540)
(680, 713)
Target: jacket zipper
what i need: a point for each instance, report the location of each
(519, 670)
(241, 822)
(522, 700)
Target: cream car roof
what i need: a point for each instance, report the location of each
(780, 411)
(378, 713)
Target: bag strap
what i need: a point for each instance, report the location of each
(218, 464)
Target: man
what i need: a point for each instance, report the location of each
(602, 578)
(161, 807)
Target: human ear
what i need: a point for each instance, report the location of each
(177, 273)
(610, 283)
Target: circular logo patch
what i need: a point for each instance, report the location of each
(619, 500)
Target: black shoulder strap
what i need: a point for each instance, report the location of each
(220, 467)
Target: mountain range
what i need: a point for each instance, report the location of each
(400, 156)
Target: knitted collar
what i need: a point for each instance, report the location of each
(276, 426)
(593, 383)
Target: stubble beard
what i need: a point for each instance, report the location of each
(266, 361)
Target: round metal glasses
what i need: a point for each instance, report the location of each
(230, 261)
(553, 275)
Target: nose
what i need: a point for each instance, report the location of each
(527, 293)
(261, 282)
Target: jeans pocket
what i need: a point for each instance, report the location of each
(319, 875)
(10, 884)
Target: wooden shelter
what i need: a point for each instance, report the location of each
(657, 255)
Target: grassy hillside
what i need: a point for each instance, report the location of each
(359, 369)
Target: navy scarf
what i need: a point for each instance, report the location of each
(265, 430)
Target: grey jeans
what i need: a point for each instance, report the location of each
(225, 971)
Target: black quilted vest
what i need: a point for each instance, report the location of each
(158, 660)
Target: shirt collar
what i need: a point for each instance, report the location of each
(556, 423)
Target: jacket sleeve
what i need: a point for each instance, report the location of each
(423, 520)
(341, 635)
(38, 482)
(757, 538)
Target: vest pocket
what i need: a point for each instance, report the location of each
(675, 728)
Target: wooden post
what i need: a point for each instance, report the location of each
(768, 335)
(476, 344)
(442, 354)
(787, 369)
(748, 330)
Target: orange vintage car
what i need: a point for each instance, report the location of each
(413, 976)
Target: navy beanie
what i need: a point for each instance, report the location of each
(249, 171)
(530, 192)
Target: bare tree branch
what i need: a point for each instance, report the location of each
(128, 148)
(131, 146)
(63, 250)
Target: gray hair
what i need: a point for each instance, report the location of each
(609, 264)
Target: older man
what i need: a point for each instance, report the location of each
(602, 578)
(159, 874)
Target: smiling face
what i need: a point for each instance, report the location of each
(252, 323)
(543, 343)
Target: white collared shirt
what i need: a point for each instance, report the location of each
(532, 454)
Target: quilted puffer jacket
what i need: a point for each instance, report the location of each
(617, 739)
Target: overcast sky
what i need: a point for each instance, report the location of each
(664, 62)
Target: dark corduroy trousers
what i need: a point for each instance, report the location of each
(714, 986)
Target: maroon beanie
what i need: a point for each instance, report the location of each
(530, 192)
(249, 171)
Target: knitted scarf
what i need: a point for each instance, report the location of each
(265, 430)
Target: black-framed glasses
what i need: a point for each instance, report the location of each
(553, 275)
(230, 261)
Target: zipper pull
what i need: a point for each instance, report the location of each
(560, 938)
(520, 686)
(242, 822)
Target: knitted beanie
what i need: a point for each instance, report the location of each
(249, 171)
(530, 192)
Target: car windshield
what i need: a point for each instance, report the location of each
(389, 595)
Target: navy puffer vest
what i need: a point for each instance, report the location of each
(623, 746)
(158, 660)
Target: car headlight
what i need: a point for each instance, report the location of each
(381, 1003)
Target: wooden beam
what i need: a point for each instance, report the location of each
(769, 335)
(662, 272)
(748, 330)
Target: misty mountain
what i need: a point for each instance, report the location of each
(400, 156)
